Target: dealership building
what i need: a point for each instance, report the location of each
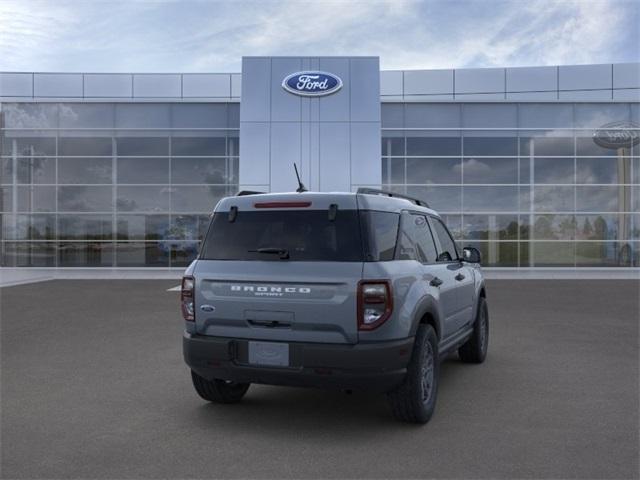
(537, 167)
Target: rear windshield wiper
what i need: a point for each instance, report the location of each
(282, 252)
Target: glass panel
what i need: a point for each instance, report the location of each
(603, 170)
(489, 115)
(600, 199)
(30, 115)
(139, 254)
(490, 227)
(86, 115)
(143, 199)
(85, 170)
(432, 115)
(490, 170)
(490, 199)
(182, 253)
(29, 254)
(6, 171)
(142, 146)
(434, 170)
(392, 146)
(142, 115)
(552, 254)
(454, 224)
(489, 146)
(36, 170)
(554, 227)
(587, 147)
(553, 199)
(602, 226)
(526, 165)
(199, 115)
(447, 247)
(397, 167)
(143, 170)
(598, 114)
(392, 115)
(433, 146)
(6, 199)
(198, 146)
(605, 254)
(84, 146)
(233, 115)
(200, 170)
(541, 146)
(36, 199)
(189, 227)
(142, 227)
(85, 199)
(29, 227)
(78, 254)
(85, 227)
(380, 232)
(544, 115)
(497, 254)
(442, 199)
(196, 199)
(415, 240)
(553, 170)
(28, 146)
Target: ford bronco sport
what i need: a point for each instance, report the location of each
(361, 290)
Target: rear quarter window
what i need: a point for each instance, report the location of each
(380, 231)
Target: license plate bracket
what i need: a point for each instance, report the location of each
(271, 354)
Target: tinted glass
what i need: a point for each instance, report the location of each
(490, 170)
(84, 146)
(85, 227)
(85, 199)
(380, 234)
(434, 170)
(145, 146)
(85, 170)
(434, 146)
(143, 170)
(307, 235)
(200, 170)
(488, 146)
(447, 249)
(142, 254)
(29, 146)
(416, 242)
(553, 170)
(142, 227)
(36, 170)
(143, 199)
(201, 146)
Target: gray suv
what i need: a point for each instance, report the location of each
(361, 290)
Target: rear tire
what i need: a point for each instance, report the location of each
(219, 391)
(415, 399)
(475, 349)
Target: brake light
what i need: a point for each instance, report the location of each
(186, 298)
(282, 205)
(375, 303)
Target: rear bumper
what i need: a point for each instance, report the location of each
(378, 366)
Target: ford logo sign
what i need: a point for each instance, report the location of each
(617, 135)
(312, 84)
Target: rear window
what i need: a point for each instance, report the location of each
(289, 235)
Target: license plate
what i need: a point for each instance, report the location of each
(269, 353)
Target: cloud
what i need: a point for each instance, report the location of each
(144, 36)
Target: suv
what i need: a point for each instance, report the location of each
(361, 290)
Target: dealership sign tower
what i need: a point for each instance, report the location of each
(321, 112)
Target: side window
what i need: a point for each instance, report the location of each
(447, 251)
(380, 232)
(416, 242)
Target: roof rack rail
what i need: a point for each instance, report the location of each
(375, 191)
(242, 193)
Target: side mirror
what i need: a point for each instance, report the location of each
(471, 255)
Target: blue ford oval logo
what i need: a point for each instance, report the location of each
(312, 84)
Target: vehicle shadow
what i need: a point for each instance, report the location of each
(271, 410)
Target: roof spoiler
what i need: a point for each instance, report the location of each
(385, 193)
(243, 193)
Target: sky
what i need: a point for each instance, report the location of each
(212, 36)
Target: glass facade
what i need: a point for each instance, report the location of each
(524, 183)
(133, 184)
(112, 184)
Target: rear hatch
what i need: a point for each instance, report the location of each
(283, 268)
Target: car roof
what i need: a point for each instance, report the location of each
(321, 201)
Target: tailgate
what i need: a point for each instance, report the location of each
(278, 301)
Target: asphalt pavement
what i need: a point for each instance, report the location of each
(93, 385)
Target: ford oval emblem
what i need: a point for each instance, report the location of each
(312, 84)
(617, 135)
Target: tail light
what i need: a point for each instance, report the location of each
(375, 303)
(186, 298)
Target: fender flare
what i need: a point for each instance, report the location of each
(428, 306)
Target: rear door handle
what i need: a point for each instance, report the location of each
(459, 277)
(436, 282)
